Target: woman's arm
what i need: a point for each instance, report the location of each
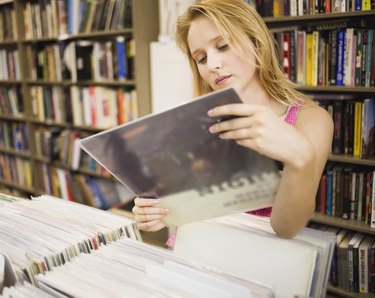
(302, 149)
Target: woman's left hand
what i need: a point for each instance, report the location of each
(257, 127)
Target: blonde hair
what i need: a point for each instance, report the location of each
(248, 31)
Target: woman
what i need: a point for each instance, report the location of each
(229, 45)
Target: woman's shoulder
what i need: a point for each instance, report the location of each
(313, 117)
(314, 112)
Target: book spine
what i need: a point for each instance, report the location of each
(121, 58)
(332, 56)
(364, 54)
(359, 54)
(357, 129)
(368, 57)
(340, 57)
(338, 135)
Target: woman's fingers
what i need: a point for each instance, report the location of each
(236, 109)
(145, 202)
(149, 210)
(151, 226)
(149, 217)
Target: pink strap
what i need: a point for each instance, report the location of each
(292, 115)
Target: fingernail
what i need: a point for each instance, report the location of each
(210, 113)
(156, 201)
(211, 129)
(167, 210)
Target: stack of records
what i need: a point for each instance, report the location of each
(246, 246)
(55, 248)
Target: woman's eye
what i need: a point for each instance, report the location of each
(223, 47)
(202, 60)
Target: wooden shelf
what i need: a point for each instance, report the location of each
(14, 152)
(346, 294)
(8, 43)
(88, 35)
(317, 17)
(12, 118)
(66, 125)
(17, 186)
(352, 160)
(337, 89)
(10, 82)
(348, 224)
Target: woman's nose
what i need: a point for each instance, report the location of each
(214, 62)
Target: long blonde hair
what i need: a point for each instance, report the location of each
(248, 31)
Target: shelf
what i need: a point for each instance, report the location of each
(45, 82)
(65, 125)
(13, 118)
(347, 294)
(23, 154)
(8, 43)
(350, 159)
(348, 224)
(10, 82)
(83, 171)
(17, 186)
(108, 83)
(5, 1)
(130, 83)
(88, 35)
(318, 17)
(337, 89)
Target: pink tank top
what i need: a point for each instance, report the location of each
(290, 118)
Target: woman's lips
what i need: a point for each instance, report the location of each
(221, 80)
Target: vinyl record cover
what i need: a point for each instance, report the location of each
(173, 155)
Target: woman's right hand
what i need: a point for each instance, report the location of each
(149, 217)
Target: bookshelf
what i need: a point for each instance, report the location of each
(323, 91)
(46, 49)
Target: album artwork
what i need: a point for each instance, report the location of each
(172, 156)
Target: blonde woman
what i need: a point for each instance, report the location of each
(229, 45)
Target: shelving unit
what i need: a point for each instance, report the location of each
(143, 30)
(306, 22)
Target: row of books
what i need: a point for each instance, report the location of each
(9, 64)
(54, 144)
(354, 123)
(53, 18)
(60, 147)
(7, 23)
(102, 107)
(82, 60)
(11, 101)
(16, 170)
(99, 107)
(353, 263)
(276, 8)
(14, 136)
(347, 192)
(338, 57)
(91, 191)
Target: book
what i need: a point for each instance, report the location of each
(368, 129)
(172, 155)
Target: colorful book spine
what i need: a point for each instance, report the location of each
(357, 129)
(340, 57)
(368, 58)
(121, 58)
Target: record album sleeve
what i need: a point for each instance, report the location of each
(172, 156)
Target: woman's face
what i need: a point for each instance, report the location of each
(218, 64)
